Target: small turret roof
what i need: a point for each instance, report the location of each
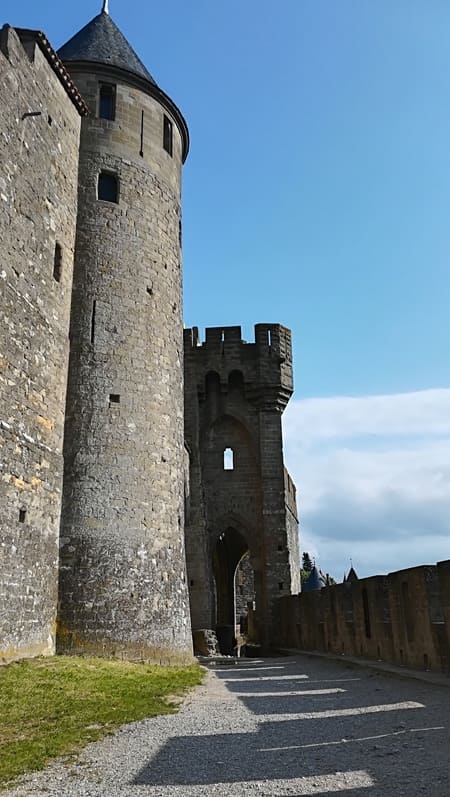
(101, 41)
(352, 576)
(314, 581)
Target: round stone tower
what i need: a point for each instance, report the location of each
(123, 588)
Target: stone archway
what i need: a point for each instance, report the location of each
(230, 548)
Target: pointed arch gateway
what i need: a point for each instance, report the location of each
(230, 551)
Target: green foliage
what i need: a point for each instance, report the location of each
(51, 707)
(307, 564)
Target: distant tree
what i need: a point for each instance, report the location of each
(307, 566)
(306, 562)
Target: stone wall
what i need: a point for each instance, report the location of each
(244, 580)
(235, 393)
(123, 583)
(38, 200)
(403, 618)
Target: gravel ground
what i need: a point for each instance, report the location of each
(285, 727)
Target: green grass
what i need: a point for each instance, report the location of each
(52, 707)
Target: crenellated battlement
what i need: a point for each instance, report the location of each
(265, 364)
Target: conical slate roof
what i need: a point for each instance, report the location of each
(314, 581)
(101, 41)
(352, 575)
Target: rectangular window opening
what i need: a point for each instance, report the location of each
(141, 151)
(228, 459)
(94, 309)
(107, 101)
(168, 135)
(22, 515)
(57, 263)
(280, 585)
(114, 398)
(108, 187)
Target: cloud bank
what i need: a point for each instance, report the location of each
(373, 479)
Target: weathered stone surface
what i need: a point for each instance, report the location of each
(39, 141)
(205, 642)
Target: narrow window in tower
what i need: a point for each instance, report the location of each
(228, 459)
(114, 398)
(168, 135)
(57, 263)
(141, 151)
(108, 187)
(22, 515)
(94, 310)
(107, 101)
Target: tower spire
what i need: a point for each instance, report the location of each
(105, 9)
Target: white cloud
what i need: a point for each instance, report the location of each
(373, 477)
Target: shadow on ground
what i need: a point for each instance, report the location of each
(392, 732)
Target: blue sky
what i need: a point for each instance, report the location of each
(317, 194)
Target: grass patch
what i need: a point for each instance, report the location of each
(51, 707)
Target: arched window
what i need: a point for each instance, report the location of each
(228, 459)
(168, 135)
(108, 187)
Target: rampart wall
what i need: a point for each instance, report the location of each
(402, 618)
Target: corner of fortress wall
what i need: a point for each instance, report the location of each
(38, 201)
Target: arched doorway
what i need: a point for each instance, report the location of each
(230, 549)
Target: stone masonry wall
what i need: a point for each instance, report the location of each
(245, 587)
(123, 583)
(38, 201)
(290, 493)
(403, 618)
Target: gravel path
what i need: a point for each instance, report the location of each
(285, 727)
